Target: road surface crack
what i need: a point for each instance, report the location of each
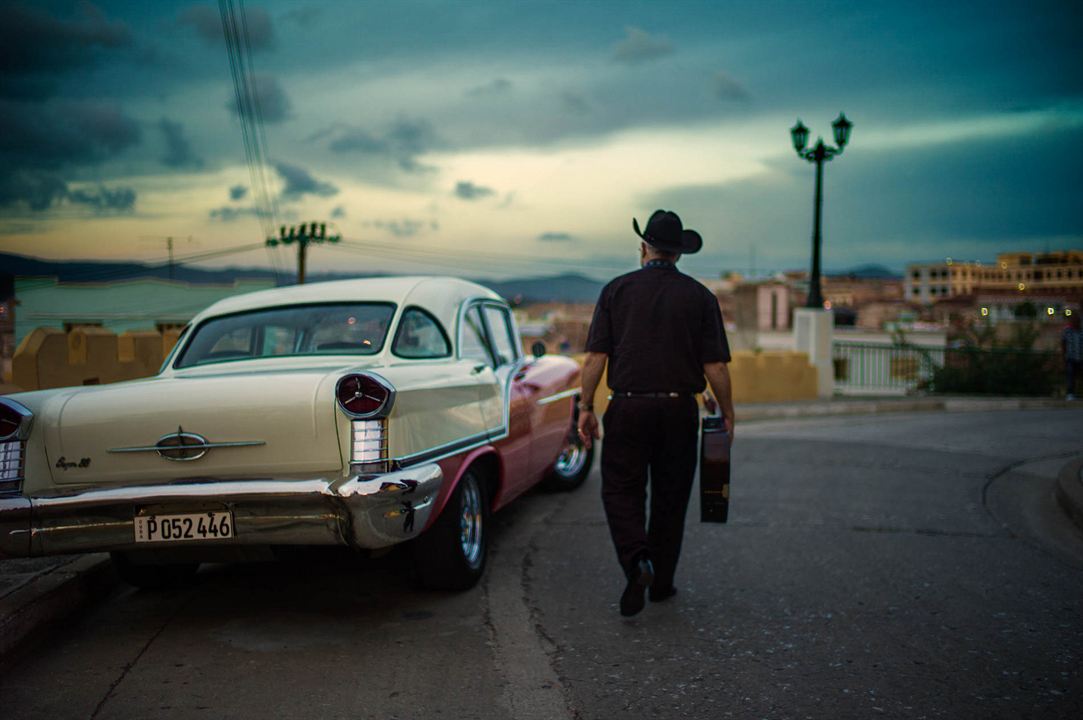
(142, 651)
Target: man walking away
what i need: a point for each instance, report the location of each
(661, 332)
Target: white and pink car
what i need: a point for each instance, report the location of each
(362, 413)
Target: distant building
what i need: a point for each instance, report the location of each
(1029, 276)
(145, 304)
(763, 306)
(561, 326)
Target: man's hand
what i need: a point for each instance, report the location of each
(593, 367)
(718, 376)
(588, 427)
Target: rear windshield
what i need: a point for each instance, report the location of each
(329, 329)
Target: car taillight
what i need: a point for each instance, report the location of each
(14, 428)
(364, 395)
(10, 421)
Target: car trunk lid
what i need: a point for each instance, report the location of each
(263, 424)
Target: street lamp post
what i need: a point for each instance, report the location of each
(819, 155)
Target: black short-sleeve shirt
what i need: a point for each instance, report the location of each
(659, 327)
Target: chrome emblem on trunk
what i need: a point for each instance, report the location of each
(183, 446)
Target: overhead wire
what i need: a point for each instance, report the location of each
(250, 115)
(120, 271)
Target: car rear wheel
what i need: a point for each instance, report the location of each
(451, 554)
(572, 465)
(152, 576)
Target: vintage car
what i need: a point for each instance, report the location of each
(363, 413)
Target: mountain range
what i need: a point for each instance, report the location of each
(565, 287)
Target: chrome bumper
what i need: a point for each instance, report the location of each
(362, 512)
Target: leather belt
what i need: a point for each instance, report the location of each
(649, 394)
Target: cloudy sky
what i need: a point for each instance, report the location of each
(520, 138)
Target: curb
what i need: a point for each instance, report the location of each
(31, 611)
(829, 408)
(1070, 491)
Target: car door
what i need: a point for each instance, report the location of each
(476, 349)
(516, 447)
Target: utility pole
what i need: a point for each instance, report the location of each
(168, 246)
(302, 234)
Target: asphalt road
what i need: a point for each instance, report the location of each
(904, 566)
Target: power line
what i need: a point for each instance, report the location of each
(249, 110)
(94, 274)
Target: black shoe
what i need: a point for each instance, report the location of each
(632, 601)
(661, 594)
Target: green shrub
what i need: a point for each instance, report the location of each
(981, 364)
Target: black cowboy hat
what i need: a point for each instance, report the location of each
(665, 232)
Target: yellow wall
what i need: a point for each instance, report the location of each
(48, 358)
(767, 376)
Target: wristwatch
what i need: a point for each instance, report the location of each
(586, 407)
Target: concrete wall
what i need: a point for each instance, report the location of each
(49, 358)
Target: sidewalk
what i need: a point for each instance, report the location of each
(38, 594)
(842, 405)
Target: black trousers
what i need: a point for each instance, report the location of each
(649, 441)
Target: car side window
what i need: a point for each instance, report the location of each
(235, 343)
(502, 334)
(278, 340)
(420, 336)
(473, 343)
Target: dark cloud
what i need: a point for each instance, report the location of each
(725, 87)
(237, 192)
(638, 46)
(401, 142)
(498, 86)
(36, 47)
(360, 141)
(229, 213)
(39, 191)
(63, 133)
(300, 182)
(304, 16)
(406, 227)
(574, 102)
(268, 98)
(338, 212)
(556, 237)
(36, 190)
(40, 144)
(898, 205)
(103, 200)
(178, 151)
(207, 22)
(467, 190)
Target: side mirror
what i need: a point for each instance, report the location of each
(537, 349)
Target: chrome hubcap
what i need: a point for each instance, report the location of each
(470, 522)
(571, 459)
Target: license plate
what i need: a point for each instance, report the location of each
(192, 526)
